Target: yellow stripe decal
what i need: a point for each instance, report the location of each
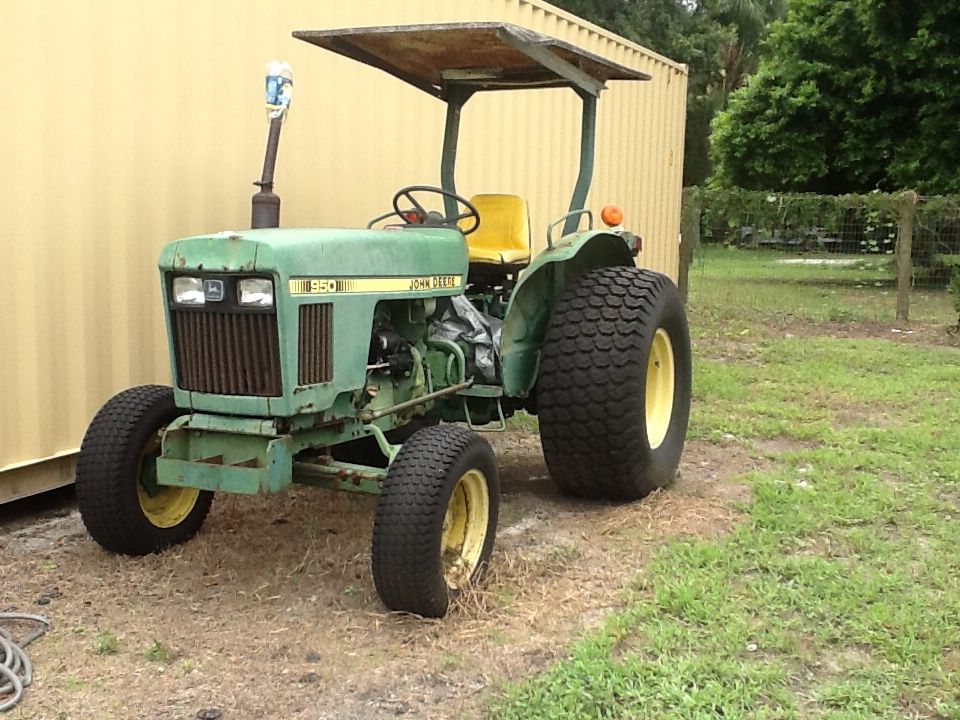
(325, 286)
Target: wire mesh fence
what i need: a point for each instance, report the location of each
(936, 237)
(921, 234)
(838, 224)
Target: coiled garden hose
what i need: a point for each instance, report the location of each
(16, 671)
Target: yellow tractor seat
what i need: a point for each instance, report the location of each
(503, 237)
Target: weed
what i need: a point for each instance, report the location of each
(158, 653)
(563, 555)
(524, 421)
(841, 314)
(106, 643)
(498, 636)
(451, 661)
(506, 596)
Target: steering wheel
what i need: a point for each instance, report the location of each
(421, 215)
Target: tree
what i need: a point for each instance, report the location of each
(924, 39)
(746, 23)
(718, 40)
(750, 20)
(852, 96)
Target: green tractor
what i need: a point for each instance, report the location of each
(364, 360)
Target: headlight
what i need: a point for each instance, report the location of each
(255, 292)
(188, 291)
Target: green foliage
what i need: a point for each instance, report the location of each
(852, 96)
(750, 20)
(924, 39)
(811, 119)
(719, 41)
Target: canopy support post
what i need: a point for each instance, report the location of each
(588, 133)
(456, 98)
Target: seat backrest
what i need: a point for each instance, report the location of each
(504, 223)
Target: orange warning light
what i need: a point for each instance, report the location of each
(611, 215)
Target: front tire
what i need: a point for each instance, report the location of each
(615, 383)
(121, 505)
(435, 523)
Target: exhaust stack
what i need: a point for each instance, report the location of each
(279, 91)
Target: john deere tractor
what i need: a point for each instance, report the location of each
(364, 360)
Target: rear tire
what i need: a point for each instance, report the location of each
(435, 523)
(614, 385)
(122, 507)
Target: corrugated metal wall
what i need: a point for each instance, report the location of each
(126, 124)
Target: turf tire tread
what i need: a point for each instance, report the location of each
(106, 474)
(591, 385)
(409, 517)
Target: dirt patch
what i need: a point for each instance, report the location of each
(859, 415)
(733, 342)
(914, 333)
(743, 350)
(781, 446)
(908, 333)
(271, 610)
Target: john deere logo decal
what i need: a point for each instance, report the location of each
(325, 286)
(213, 290)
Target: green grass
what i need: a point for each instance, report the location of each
(838, 593)
(724, 280)
(522, 420)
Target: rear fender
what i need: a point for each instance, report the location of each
(532, 301)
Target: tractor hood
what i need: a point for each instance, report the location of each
(306, 350)
(344, 252)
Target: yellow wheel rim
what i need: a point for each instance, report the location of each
(660, 388)
(465, 528)
(163, 505)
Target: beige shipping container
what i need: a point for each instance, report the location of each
(128, 124)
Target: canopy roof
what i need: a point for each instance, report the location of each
(476, 56)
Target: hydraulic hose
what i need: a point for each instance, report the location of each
(16, 671)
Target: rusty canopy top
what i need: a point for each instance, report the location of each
(473, 56)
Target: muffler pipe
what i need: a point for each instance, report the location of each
(265, 211)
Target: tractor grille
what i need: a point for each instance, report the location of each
(316, 344)
(227, 353)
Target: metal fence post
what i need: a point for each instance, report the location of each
(689, 237)
(907, 210)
